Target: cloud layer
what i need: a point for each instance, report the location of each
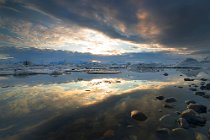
(107, 26)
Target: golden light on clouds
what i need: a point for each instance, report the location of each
(146, 25)
(79, 39)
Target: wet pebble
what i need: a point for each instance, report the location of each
(108, 133)
(198, 108)
(200, 93)
(182, 134)
(190, 102)
(168, 106)
(139, 116)
(163, 131)
(193, 118)
(188, 79)
(165, 74)
(183, 123)
(200, 136)
(208, 86)
(203, 79)
(193, 89)
(169, 121)
(160, 97)
(170, 100)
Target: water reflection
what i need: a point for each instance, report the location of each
(79, 109)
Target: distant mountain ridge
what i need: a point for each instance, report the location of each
(191, 62)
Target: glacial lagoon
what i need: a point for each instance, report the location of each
(85, 106)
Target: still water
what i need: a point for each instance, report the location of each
(80, 106)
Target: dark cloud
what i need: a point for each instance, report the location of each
(178, 24)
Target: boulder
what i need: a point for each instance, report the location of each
(198, 108)
(139, 116)
(193, 118)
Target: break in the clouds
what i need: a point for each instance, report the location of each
(107, 26)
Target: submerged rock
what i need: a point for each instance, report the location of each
(202, 87)
(208, 86)
(160, 97)
(165, 74)
(193, 89)
(169, 121)
(188, 79)
(139, 116)
(200, 136)
(203, 79)
(190, 102)
(200, 93)
(163, 131)
(168, 106)
(193, 117)
(183, 123)
(182, 134)
(207, 96)
(170, 100)
(198, 108)
(108, 133)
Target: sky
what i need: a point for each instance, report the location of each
(106, 27)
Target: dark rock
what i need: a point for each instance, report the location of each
(180, 75)
(180, 87)
(163, 131)
(198, 108)
(202, 87)
(165, 74)
(203, 79)
(183, 123)
(168, 106)
(139, 116)
(170, 100)
(208, 86)
(177, 112)
(169, 121)
(202, 83)
(182, 134)
(200, 136)
(160, 97)
(200, 93)
(193, 118)
(193, 89)
(190, 102)
(207, 96)
(188, 79)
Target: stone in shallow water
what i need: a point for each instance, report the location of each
(183, 123)
(182, 134)
(188, 79)
(163, 131)
(198, 108)
(165, 74)
(190, 102)
(207, 96)
(200, 93)
(160, 97)
(169, 121)
(109, 133)
(203, 79)
(193, 89)
(139, 116)
(200, 136)
(208, 86)
(170, 100)
(168, 106)
(193, 118)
